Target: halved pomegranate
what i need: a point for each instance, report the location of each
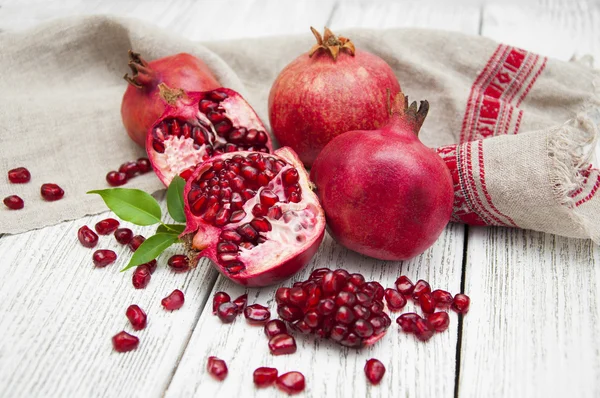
(254, 215)
(198, 125)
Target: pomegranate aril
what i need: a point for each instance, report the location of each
(275, 327)
(257, 314)
(19, 175)
(259, 210)
(227, 312)
(338, 332)
(291, 382)
(232, 236)
(237, 216)
(301, 327)
(420, 287)
(173, 301)
(443, 299)
(261, 224)
(136, 316)
(407, 321)
(14, 202)
(141, 276)
(404, 285)
(268, 198)
(282, 295)
(363, 299)
(264, 377)
(332, 283)
(439, 320)
(129, 168)
(351, 340)
(144, 165)
(344, 315)
(247, 231)
(217, 368)
(290, 177)
(240, 302)
(461, 303)
(282, 344)
(374, 370)
(427, 303)
(179, 263)
(356, 279)
(363, 328)
(378, 323)
(423, 329)
(87, 237)
(218, 299)
(103, 257)
(345, 298)
(152, 264)
(395, 300)
(297, 297)
(116, 178)
(106, 226)
(51, 192)
(312, 319)
(123, 235)
(135, 242)
(289, 313)
(361, 312)
(123, 342)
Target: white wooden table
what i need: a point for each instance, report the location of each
(534, 325)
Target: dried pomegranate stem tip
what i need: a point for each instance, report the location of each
(331, 43)
(410, 112)
(138, 67)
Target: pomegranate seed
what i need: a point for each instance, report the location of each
(289, 313)
(439, 320)
(282, 295)
(420, 288)
(427, 303)
(319, 273)
(257, 314)
(357, 279)
(345, 298)
(129, 168)
(217, 368)
(123, 235)
(179, 263)
(218, 299)
(51, 192)
(344, 315)
(404, 285)
(227, 312)
(297, 296)
(282, 344)
(275, 327)
(291, 382)
(461, 303)
(87, 237)
(264, 377)
(116, 179)
(20, 175)
(14, 202)
(103, 257)
(136, 316)
(395, 300)
(407, 321)
(141, 277)
(443, 299)
(173, 301)
(268, 198)
(290, 176)
(151, 266)
(106, 226)
(363, 328)
(135, 242)
(123, 342)
(144, 165)
(423, 329)
(374, 370)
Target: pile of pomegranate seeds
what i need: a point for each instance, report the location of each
(51, 192)
(14, 202)
(173, 301)
(136, 316)
(217, 368)
(127, 171)
(374, 370)
(123, 342)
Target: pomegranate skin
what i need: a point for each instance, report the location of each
(316, 98)
(385, 194)
(141, 105)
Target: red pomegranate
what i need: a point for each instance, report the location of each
(386, 195)
(198, 125)
(332, 89)
(141, 106)
(254, 215)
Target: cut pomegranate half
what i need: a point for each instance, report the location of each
(198, 125)
(254, 216)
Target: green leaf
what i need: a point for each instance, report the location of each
(175, 199)
(173, 229)
(131, 205)
(150, 249)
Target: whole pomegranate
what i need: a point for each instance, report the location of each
(385, 194)
(198, 125)
(254, 215)
(332, 89)
(141, 105)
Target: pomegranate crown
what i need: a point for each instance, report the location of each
(142, 74)
(412, 113)
(332, 43)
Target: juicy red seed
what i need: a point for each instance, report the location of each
(345, 298)
(144, 165)
(404, 285)
(289, 313)
(104, 257)
(443, 299)
(344, 315)
(363, 328)
(439, 320)
(312, 319)
(290, 176)
(87, 237)
(356, 279)
(259, 210)
(237, 216)
(427, 303)
(378, 324)
(319, 273)
(217, 368)
(51, 192)
(152, 264)
(264, 377)
(129, 168)
(257, 314)
(240, 302)
(261, 224)
(14, 202)
(231, 236)
(351, 340)
(420, 288)
(123, 342)
(217, 95)
(374, 370)
(247, 231)
(179, 263)
(291, 382)
(373, 289)
(275, 213)
(274, 327)
(339, 332)
(206, 106)
(115, 178)
(294, 197)
(361, 312)
(19, 175)
(301, 327)
(249, 173)
(173, 301)
(141, 276)
(123, 235)
(461, 303)
(282, 344)
(364, 299)
(268, 198)
(423, 329)
(135, 242)
(395, 300)
(350, 288)
(218, 299)
(407, 321)
(282, 295)
(297, 296)
(331, 283)
(136, 316)
(106, 226)
(227, 312)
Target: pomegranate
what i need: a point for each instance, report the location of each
(374, 370)
(291, 382)
(254, 216)
(198, 125)
(386, 195)
(141, 105)
(332, 89)
(14, 202)
(264, 376)
(20, 175)
(217, 368)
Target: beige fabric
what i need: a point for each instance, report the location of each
(62, 84)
